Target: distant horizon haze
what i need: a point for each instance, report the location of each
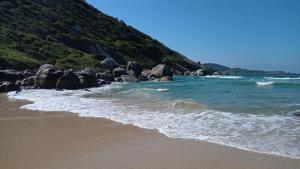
(252, 34)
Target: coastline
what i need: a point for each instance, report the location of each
(33, 139)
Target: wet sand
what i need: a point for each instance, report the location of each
(41, 140)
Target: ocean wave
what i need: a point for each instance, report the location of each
(282, 78)
(225, 77)
(261, 83)
(267, 134)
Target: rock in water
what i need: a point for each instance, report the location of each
(109, 64)
(131, 77)
(8, 87)
(68, 81)
(117, 72)
(47, 76)
(161, 71)
(88, 78)
(134, 66)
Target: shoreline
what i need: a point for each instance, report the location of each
(145, 140)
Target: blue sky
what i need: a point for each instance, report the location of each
(257, 34)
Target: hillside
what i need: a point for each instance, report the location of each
(228, 70)
(73, 34)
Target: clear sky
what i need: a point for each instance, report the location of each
(258, 34)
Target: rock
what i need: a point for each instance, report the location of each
(47, 76)
(166, 78)
(118, 79)
(8, 87)
(109, 64)
(103, 82)
(88, 78)
(161, 71)
(28, 73)
(18, 83)
(297, 113)
(68, 81)
(217, 73)
(28, 81)
(145, 75)
(186, 73)
(134, 66)
(117, 72)
(198, 72)
(131, 77)
(10, 75)
(105, 76)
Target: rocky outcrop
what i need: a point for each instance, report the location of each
(118, 72)
(134, 66)
(10, 75)
(161, 70)
(8, 87)
(131, 77)
(109, 64)
(28, 81)
(88, 78)
(105, 76)
(68, 81)
(47, 76)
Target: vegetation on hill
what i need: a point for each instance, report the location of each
(73, 34)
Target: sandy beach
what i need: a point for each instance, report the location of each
(55, 140)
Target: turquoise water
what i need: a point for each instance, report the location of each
(251, 112)
(253, 94)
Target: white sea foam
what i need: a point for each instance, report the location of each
(282, 78)
(225, 77)
(268, 134)
(262, 83)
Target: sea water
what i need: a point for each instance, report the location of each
(251, 112)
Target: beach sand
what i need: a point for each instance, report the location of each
(41, 140)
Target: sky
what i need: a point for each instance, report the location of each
(255, 34)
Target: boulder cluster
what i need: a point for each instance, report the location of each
(49, 77)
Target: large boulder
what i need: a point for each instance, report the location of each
(47, 76)
(131, 77)
(8, 87)
(118, 72)
(134, 66)
(29, 73)
(145, 75)
(88, 78)
(161, 70)
(109, 64)
(68, 81)
(10, 75)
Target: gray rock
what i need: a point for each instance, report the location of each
(117, 72)
(109, 64)
(8, 87)
(166, 78)
(28, 73)
(68, 81)
(28, 81)
(134, 66)
(88, 78)
(10, 75)
(187, 73)
(131, 77)
(161, 71)
(47, 76)
(107, 76)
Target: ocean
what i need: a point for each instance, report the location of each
(250, 112)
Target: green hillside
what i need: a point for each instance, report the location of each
(72, 33)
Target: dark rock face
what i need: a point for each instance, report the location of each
(47, 76)
(88, 78)
(145, 75)
(10, 75)
(28, 81)
(134, 66)
(109, 64)
(117, 72)
(68, 81)
(105, 76)
(131, 77)
(29, 73)
(8, 87)
(161, 71)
